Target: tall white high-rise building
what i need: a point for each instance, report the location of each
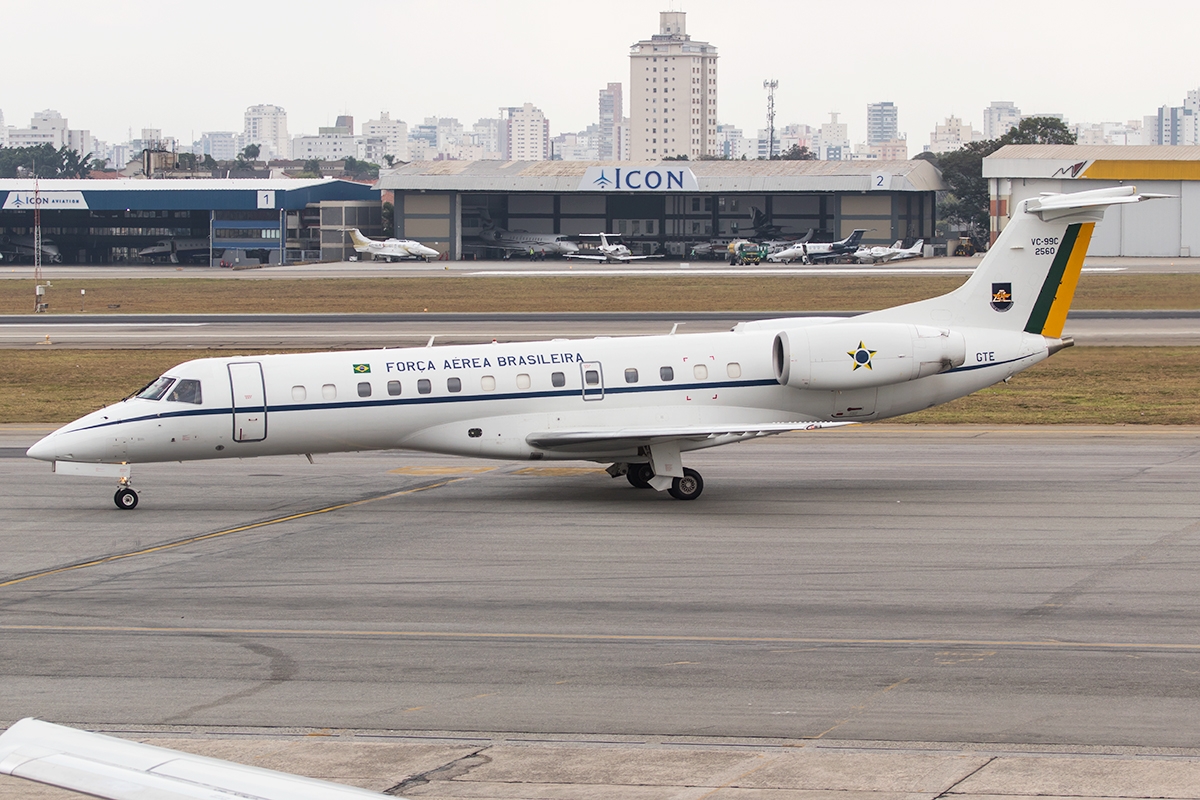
(832, 141)
(266, 126)
(882, 122)
(392, 136)
(672, 93)
(524, 134)
(612, 110)
(999, 118)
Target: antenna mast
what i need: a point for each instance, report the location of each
(770, 86)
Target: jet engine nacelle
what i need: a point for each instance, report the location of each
(841, 356)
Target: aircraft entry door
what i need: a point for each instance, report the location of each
(593, 380)
(249, 402)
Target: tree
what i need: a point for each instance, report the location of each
(390, 159)
(249, 153)
(99, 165)
(968, 200)
(680, 157)
(209, 162)
(43, 161)
(1039, 130)
(797, 153)
(187, 161)
(362, 170)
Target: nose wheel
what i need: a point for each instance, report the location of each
(126, 498)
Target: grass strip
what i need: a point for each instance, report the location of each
(688, 291)
(1081, 385)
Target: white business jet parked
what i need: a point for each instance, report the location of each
(610, 252)
(636, 403)
(883, 255)
(812, 253)
(391, 248)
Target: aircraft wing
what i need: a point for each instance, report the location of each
(587, 257)
(637, 258)
(104, 766)
(630, 437)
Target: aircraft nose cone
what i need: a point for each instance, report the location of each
(44, 449)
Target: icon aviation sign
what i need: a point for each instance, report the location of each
(659, 178)
(635, 403)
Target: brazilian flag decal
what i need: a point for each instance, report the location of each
(362, 369)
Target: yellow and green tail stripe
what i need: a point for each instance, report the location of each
(1054, 301)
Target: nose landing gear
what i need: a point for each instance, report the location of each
(125, 498)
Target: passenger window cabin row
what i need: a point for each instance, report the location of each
(487, 383)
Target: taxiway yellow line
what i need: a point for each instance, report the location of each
(1047, 644)
(217, 534)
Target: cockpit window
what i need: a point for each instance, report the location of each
(186, 391)
(157, 389)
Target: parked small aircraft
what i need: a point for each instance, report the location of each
(636, 403)
(550, 244)
(811, 253)
(610, 252)
(390, 249)
(18, 248)
(883, 255)
(177, 250)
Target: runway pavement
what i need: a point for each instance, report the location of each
(348, 331)
(886, 583)
(517, 267)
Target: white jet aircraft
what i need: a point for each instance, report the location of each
(523, 242)
(637, 403)
(882, 255)
(810, 253)
(118, 769)
(610, 252)
(175, 250)
(391, 249)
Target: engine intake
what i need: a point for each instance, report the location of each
(848, 355)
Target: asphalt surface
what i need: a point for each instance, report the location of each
(517, 267)
(346, 331)
(872, 612)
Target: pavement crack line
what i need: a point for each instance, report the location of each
(1097, 576)
(950, 789)
(858, 710)
(447, 772)
(282, 669)
(96, 562)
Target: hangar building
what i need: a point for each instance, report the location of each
(668, 206)
(1168, 227)
(109, 221)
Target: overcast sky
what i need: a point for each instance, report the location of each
(188, 68)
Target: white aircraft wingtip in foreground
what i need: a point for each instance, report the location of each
(637, 403)
(118, 769)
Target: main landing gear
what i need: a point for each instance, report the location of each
(640, 476)
(125, 498)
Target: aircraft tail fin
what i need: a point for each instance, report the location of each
(854, 238)
(1027, 279)
(358, 240)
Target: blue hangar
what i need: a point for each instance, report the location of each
(200, 221)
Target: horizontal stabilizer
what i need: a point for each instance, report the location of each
(550, 440)
(1055, 206)
(118, 769)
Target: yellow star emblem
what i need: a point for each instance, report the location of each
(861, 355)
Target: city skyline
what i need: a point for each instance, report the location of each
(557, 58)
